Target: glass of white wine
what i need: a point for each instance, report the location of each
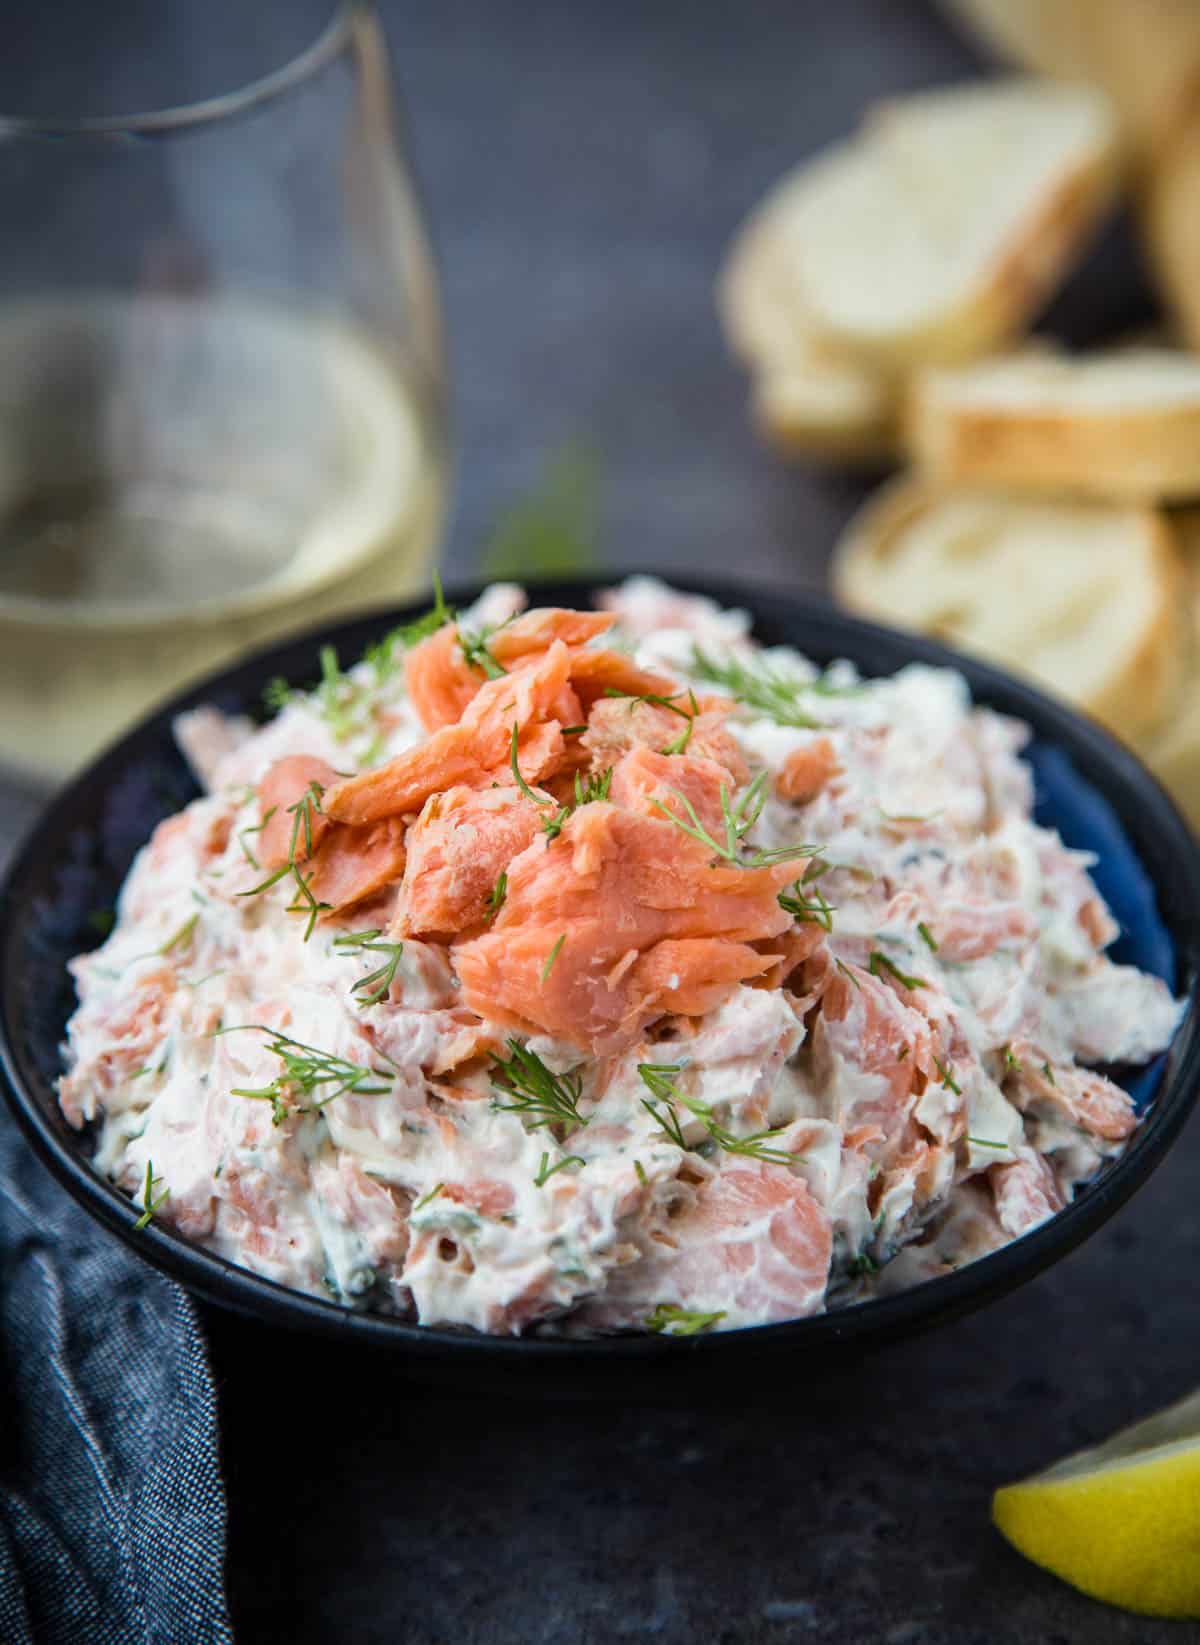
(222, 390)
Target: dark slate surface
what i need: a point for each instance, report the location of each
(584, 166)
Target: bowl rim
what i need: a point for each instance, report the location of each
(1089, 747)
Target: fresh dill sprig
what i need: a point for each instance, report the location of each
(277, 693)
(539, 1096)
(984, 1142)
(553, 826)
(927, 936)
(476, 653)
(641, 1172)
(257, 829)
(304, 901)
(946, 1070)
(773, 693)
(546, 1170)
(1049, 1073)
(596, 787)
(659, 1079)
(306, 1071)
(679, 744)
(879, 963)
(1011, 1060)
(847, 973)
(382, 655)
(669, 1321)
(811, 908)
(739, 819)
(150, 1204)
(550, 959)
(377, 984)
(518, 778)
(178, 938)
(497, 896)
(431, 1195)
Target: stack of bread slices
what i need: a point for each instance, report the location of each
(1049, 513)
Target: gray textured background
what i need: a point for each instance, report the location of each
(584, 165)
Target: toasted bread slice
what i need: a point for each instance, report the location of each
(1171, 223)
(1145, 54)
(1082, 597)
(806, 401)
(1122, 425)
(934, 234)
(1054, 37)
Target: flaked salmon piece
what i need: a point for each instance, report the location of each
(642, 777)
(441, 683)
(490, 1198)
(618, 724)
(595, 674)
(790, 951)
(536, 631)
(536, 698)
(457, 849)
(613, 887)
(753, 1245)
(1079, 1096)
(285, 784)
(352, 864)
(806, 770)
(968, 931)
(1026, 1193)
(868, 1025)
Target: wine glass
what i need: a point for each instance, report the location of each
(222, 392)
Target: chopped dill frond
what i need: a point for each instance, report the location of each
(879, 963)
(546, 1170)
(381, 656)
(180, 937)
(641, 1172)
(594, 788)
(659, 1079)
(550, 959)
(946, 1070)
(847, 973)
(431, 1195)
(767, 690)
(983, 1142)
(497, 896)
(669, 1321)
(476, 653)
(518, 778)
(927, 937)
(553, 826)
(539, 1096)
(305, 1072)
(1049, 1073)
(739, 819)
(377, 984)
(150, 1203)
(809, 910)
(1011, 1061)
(304, 902)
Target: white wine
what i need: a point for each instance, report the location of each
(181, 478)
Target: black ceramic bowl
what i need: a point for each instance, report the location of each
(1098, 795)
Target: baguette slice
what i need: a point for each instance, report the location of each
(1083, 598)
(1145, 54)
(1122, 426)
(1171, 224)
(934, 234)
(1173, 753)
(808, 402)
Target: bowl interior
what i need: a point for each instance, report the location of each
(62, 886)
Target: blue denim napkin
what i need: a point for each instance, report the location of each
(112, 1507)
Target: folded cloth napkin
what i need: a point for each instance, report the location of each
(112, 1507)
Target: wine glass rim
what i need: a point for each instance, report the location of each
(207, 110)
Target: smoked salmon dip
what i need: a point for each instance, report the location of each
(598, 971)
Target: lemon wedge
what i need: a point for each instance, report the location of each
(1120, 1521)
